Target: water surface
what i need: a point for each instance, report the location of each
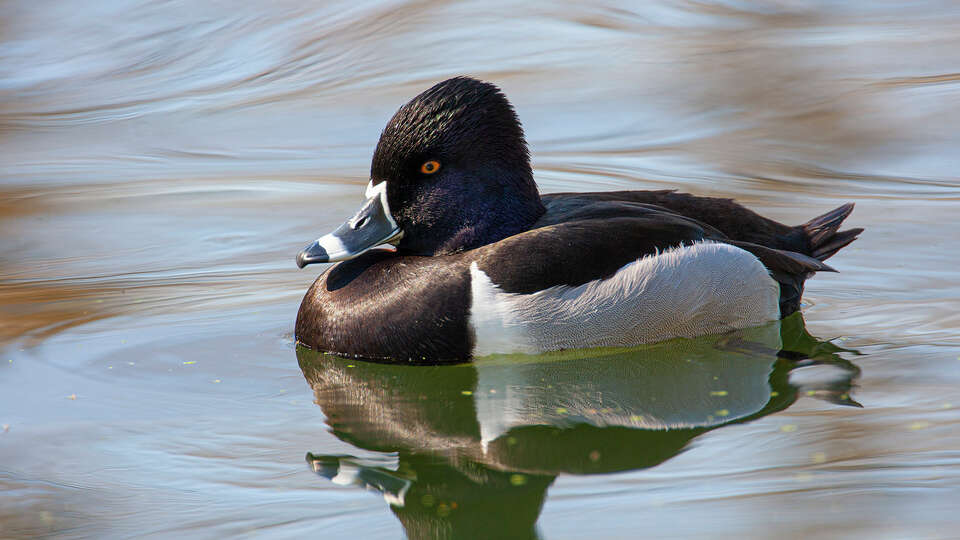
(162, 163)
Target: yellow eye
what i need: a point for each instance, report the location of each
(430, 167)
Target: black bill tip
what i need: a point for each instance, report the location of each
(301, 260)
(314, 253)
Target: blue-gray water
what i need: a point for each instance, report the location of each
(162, 163)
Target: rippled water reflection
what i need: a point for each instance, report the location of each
(162, 163)
(478, 446)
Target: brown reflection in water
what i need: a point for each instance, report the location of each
(789, 102)
(38, 310)
(78, 254)
(19, 202)
(42, 310)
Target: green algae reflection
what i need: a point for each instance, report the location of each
(479, 444)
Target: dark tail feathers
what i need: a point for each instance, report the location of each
(822, 234)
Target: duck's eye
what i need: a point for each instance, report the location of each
(430, 167)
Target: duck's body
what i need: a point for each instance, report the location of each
(484, 264)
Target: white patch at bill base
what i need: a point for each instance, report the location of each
(333, 246)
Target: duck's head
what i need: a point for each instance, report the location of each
(451, 172)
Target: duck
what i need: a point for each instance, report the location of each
(455, 255)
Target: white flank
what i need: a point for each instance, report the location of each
(688, 291)
(492, 318)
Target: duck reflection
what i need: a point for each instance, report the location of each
(478, 444)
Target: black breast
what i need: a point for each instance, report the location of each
(382, 306)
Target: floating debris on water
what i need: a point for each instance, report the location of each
(818, 457)
(518, 479)
(718, 393)
(72, 396)
(467, 392)
(919, 425)
(788, 428)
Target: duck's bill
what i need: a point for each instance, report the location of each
(371, 227)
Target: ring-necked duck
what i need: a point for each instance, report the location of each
(455, 254)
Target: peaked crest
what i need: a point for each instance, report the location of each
(478, 187)
(459, 118)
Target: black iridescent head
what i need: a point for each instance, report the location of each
(451, 172)
(457, 169)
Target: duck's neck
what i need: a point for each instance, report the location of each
(469, 215)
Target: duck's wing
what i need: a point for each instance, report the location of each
(819, 238)
(584, 240)
(611, 282)
(791, 253)
(721, 214)
(583, 250)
